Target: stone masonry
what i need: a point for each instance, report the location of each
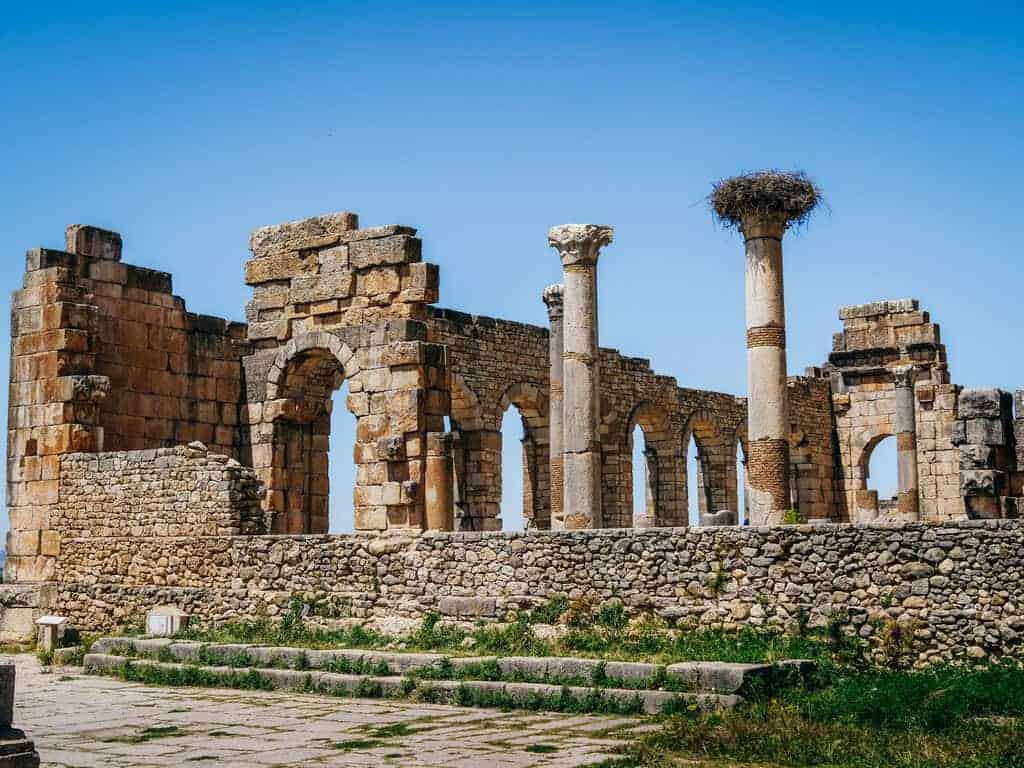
(146, 437)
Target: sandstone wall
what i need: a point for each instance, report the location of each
(959, 583)
(181, 491)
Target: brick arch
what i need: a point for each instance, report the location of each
(467, 413)
(304, 344)
(664, 472)
(531, 401)
(300, 383)
(717, 459)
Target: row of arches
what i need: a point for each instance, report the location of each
(658, 472)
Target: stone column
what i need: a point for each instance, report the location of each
(578, 246)
(767, 407)
(553, 300)
(906, 442)
(762, 205)
(439, 499)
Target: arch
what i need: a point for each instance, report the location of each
(294, 449)
(305, 343)
(661, 477)
(716, 454)
(866, 502)
(466, 412)
(531, 401)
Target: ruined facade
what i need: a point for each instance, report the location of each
(135, 423)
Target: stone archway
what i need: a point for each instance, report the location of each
(296, 431)
(663, 474)
(531, 402)
(716, 462)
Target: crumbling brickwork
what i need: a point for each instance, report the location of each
(113, 381)
(957, 582)
(877, 339)
(157, 492)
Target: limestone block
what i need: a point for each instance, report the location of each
(982, 403)
(985, 432)
(398, 249)
(280, 236)
(981, 482)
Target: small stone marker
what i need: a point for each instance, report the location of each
(166, 621)
(49, 631)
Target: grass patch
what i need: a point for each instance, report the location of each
(542, 749)
(945, 717)
(353, 744)
(148, 734)
(595, 631)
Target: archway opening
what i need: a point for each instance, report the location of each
(341, 466)
(644, 479)
(881, 473)
(296, 470)
(696, 494)
(516, 493)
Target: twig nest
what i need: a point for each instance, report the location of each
(789, 197)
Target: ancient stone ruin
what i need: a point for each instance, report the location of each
(157, 456)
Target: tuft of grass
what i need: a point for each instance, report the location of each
(947, 717)
(541, 749)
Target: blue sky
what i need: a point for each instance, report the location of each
(484, 124)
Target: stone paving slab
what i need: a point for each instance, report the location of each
(79, 721)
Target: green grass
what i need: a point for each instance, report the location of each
(596, 631)
(939, 718)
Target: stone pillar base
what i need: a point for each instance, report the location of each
(16, 751)
(768, 478)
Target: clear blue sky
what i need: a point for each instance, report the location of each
(484, 124)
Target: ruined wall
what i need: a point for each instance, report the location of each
(181, 491)
(812, 448)
(103, 355)
(876, 339)
(957, 583)
(495, 365)
(331, 304)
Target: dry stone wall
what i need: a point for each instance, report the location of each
(181, 491)
(955, 586)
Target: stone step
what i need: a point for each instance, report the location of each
(651, 702)
(703, 676)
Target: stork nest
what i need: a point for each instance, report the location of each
(788, 195)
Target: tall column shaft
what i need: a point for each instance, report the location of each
(553, 299)
(906, 443)
(767, 406)
(578, 246)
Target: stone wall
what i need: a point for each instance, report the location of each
(958, 584)
(104, 356)
(181, 491)
(877, 339)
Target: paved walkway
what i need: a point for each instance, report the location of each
(78, 720)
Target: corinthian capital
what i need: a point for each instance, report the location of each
(904, 375)
(579, 243)
(552, 297)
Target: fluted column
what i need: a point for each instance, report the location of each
(906, 442)
(553, 300)
(578, 246)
